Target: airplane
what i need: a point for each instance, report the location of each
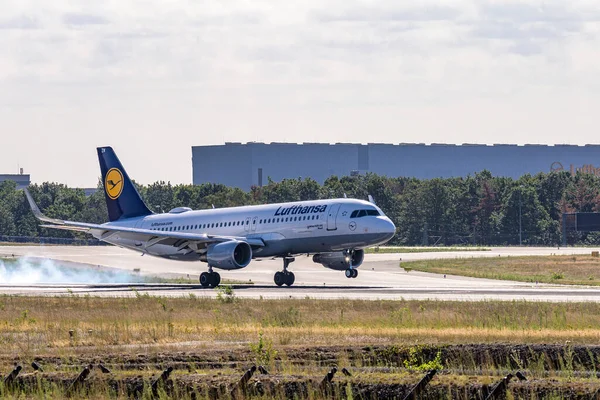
(334, 231)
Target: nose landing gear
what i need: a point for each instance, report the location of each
(210, 278)
(285, 277)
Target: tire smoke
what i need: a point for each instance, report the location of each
(28, 271)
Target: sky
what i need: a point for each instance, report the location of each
(152, 78)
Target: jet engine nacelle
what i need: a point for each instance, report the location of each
(232, 254)
(339, 261)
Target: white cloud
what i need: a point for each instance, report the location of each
(156, 77)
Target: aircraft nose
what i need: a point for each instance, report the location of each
(387, 228)
(391, 228)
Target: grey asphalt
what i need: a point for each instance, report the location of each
(380, 277)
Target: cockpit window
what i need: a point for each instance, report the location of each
(364, 213)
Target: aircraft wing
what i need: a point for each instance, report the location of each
(194, 241)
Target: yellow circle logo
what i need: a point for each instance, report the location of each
(113, 183)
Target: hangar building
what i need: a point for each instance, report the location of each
(246, 164)
(22, 180)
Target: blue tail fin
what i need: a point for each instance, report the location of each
(122, 198)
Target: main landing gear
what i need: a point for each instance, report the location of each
(210, 278)
(351, 273)
(285, 277)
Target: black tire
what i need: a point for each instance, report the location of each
(215, 279)
(349, 273)
(279, 278)
(205, 279)
(290, 279)
(354, 273)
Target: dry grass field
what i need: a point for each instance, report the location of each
(50, 324)
(210, 343)
(571, 270)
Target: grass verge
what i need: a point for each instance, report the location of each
(391, 249)
(570, 270)
(35, 325)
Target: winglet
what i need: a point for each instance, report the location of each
(36, 210)
(371, 200)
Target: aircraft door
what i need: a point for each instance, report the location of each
(331, 217)
(254, 221)
(247, 224)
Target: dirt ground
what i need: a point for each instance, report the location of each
(471, 371)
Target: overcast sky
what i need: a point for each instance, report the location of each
(153, 77)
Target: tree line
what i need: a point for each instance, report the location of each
(479, 210)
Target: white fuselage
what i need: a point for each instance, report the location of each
(286, 229)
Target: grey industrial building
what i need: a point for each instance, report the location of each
(246, 164)
(22, 180)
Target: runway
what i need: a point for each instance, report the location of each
(380, 277)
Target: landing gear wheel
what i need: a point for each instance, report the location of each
(215, 279)
(210, 279)
(280, 278)
(205, 279)
(285, 277)
(354, 273)
(290, 278)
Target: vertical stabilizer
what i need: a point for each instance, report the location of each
(122, 198)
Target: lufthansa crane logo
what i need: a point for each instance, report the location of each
(113, 183)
